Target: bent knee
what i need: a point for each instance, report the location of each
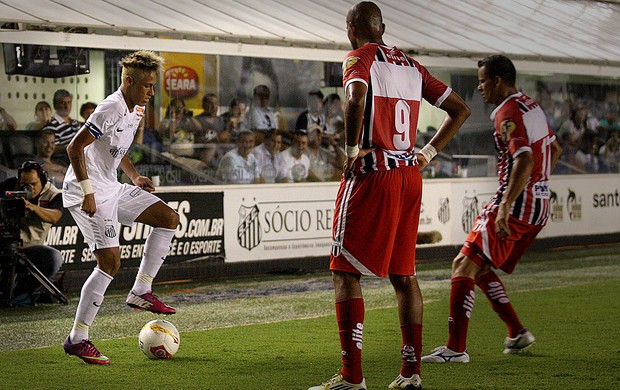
(172, 220)
(463, 266)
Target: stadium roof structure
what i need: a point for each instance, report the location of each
(566, 36)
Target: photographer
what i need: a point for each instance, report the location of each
(180, 129)
(43, 207)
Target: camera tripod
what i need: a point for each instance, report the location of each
(15, 258)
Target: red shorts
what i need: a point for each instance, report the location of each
(376, 223)
(483, 245)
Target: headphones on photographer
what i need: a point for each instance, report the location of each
(33, 166)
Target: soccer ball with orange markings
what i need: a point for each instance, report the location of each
(159, 339)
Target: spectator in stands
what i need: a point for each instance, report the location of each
(45, 144)
(86, 109)
(6, 121)
(213, 129)
(42, 115)
(587, 156)
(333, 114)
(608, 123)
(61, 123)
(235, 118)
(293, 163)
(261, 118)
(325, 165)
(572, 131)
(179, 128)
(240, 166)
(609, 153)
(267, 156)
(314, 114)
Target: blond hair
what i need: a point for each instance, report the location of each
(141, 62)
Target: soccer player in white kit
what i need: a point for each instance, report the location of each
(97, 201)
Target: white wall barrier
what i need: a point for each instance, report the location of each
(283, 221)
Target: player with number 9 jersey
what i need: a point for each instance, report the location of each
(396, 84)
(378, 204)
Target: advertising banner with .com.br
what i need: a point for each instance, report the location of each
(200, 232)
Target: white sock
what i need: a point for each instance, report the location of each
(156, 249)
(91, 298)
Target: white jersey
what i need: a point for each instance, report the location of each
(235, 169)
(114, 127)
(291, 168)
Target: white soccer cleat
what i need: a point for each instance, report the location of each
(337, 382)
(413, 383)
(524, 340)
(444, 354)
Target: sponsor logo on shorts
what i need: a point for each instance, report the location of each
(135, 192)
(109, 229)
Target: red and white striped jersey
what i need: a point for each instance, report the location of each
(521, 126)
(395, 85)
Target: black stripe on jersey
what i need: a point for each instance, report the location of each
(522, 107)
(391, 162)
(380, 56)
(518, 206)
(537, 210)
(368, 162)
(408, 60)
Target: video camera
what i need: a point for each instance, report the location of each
(12, 210)
(11, 203)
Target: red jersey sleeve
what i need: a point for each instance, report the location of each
(511, 129)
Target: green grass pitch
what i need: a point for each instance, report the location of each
(280, 333)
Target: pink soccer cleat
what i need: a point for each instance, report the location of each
(148, 301)
(86, 351)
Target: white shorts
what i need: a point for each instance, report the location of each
(102, 229)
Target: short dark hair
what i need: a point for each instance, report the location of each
(499, 65)
(87, 106)
(59, 94)
(207, 96)
(317, 93)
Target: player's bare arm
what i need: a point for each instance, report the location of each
(354, 116)
(457, 112)
(556, 151)
(141, 181)
(521, 173)
(75, 151)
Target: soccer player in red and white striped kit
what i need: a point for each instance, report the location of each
(508, 224)
(378, 203)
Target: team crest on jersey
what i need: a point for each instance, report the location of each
(139, 111)
(349, 62)
(506, 128)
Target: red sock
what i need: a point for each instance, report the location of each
(350, 317)
(494, 289)
(462, 296)
(411, 350)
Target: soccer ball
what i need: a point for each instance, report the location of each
(159, 339)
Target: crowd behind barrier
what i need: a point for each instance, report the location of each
(205, 148)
